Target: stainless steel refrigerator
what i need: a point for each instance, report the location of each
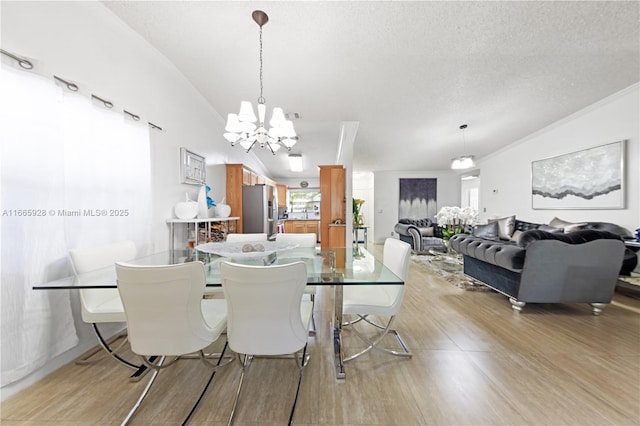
(259, 209)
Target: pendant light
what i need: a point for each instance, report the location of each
(465, 161)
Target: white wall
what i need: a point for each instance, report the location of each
(363, 188)
(314, 182)
(506, 175)
(85, 43)
(387, 194)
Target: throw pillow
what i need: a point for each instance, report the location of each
(488, 232)
(516, 236)
(568, 226)
(551, 229)
(574, 227)
(506, 226)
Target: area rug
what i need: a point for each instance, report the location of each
(635, 280)
(449, 267)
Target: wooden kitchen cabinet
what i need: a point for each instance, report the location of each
(337, 238)
(282, 195)
(312, 227)
(294, 226)
(237, 175)
(246, 174)
(332, 205)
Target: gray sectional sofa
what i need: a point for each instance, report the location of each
(543, 264)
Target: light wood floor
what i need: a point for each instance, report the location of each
(475, 362)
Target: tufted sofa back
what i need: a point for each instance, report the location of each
(420, 223)
(576, 237)
(522, 226)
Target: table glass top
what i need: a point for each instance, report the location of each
(347, 266)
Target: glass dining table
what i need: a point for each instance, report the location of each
(334, 267)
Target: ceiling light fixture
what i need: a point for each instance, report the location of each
(464, 161)
(295, 162)
(241, 128)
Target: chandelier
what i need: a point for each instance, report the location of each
(464, 161)
(241, 128)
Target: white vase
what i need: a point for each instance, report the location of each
(223, 210)
(203, 208)
(186, 209)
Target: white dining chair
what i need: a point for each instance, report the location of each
(380, 300)
(303, 240)
(167, 316)
(266, 315)
(102, 305)
(235, 238)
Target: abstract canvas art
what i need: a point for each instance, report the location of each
(589, 179)
(418, 198)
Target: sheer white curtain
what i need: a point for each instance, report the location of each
(59, 155)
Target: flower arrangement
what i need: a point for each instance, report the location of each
(454, 219)
(357, 217)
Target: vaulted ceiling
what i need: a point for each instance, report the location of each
(410, 73)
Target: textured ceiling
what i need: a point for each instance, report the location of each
(409, 72)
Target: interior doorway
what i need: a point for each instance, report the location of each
(470, 190)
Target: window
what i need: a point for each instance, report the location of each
(304, 200)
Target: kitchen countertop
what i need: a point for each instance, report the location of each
(293, 218)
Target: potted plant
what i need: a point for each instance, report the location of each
(358, 220)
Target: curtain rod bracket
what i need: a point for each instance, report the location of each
(71, 86)
(134, 116)
(106, 103)
(27, 65)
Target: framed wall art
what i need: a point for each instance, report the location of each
(418, 197)
(192, 167)
(592, 178)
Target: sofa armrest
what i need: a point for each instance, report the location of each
(409, 233)
(402, 228)
(587, 273)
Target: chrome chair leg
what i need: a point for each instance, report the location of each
(206, 386)
(303, 363)
(364, 318)
(374, 344)
(110, 351)
(144, 393)
(244, 363)
(355, 321)
(313, 329)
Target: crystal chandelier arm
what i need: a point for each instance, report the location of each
(248, 144)
(273, 146)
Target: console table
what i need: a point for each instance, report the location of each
(230, 224)
(356, 239)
